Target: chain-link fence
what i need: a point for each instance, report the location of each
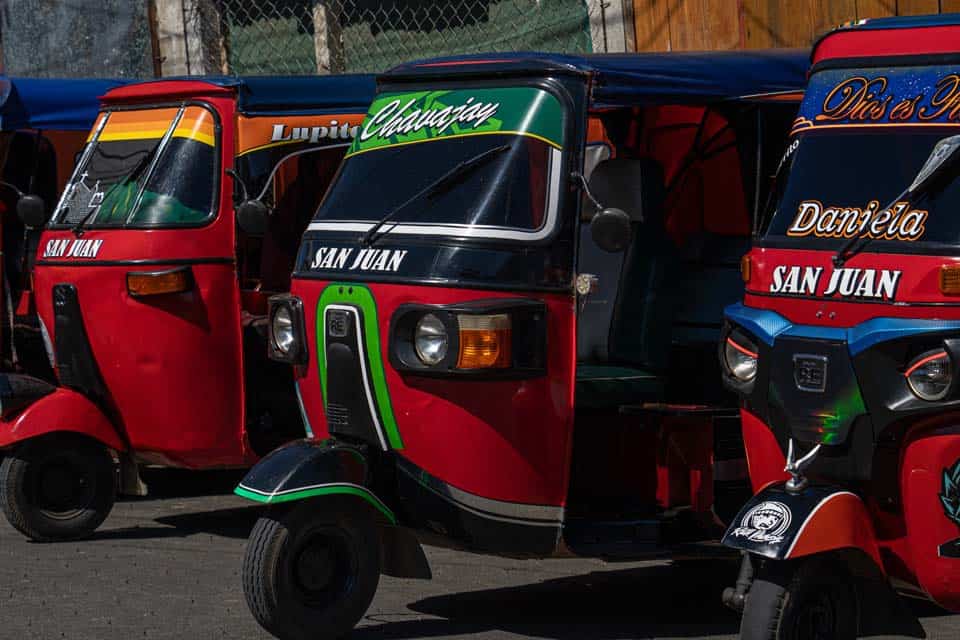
(336, 36)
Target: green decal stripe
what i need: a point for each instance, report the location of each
(360, 296)
(317, 491)
(398, 118)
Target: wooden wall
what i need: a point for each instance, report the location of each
(665, 25)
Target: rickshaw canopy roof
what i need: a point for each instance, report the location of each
(631, 79)
(51, 104)
(266, 94)
(931, 35)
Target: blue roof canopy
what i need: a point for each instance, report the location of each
(35, 103)
(350, 92)
(629, 79)
(291, 94)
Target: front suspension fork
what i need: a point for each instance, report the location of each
(735, 597)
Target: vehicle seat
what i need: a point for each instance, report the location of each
(623, 327)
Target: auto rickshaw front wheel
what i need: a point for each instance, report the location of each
(57, 488)
(812, 599)
(311, 571)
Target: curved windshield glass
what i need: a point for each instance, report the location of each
(481, 163)
(144, 167)
(837, 184)
(860, 140)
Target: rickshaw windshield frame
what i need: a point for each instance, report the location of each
(82, 164)
(421, 226)
(878, 157)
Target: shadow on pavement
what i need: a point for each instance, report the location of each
(182, 483)
(674, 600)
(227, 523)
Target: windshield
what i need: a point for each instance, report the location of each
(859, 142)
(410, 140)
(144, 167)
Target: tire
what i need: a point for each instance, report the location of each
(58, 489)
(312, 571)
(807, 600)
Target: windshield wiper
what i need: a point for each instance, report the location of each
(432, 189)
(856, 244)
(130, 176)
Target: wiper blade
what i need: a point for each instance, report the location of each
(440, 184)
(857, 244)
(130, 176)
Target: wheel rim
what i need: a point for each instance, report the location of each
(64, 486)
(817, 618)
(323, 568)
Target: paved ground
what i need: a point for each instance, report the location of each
(169, 568)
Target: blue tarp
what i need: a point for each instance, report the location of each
(292, 94)
(34, 103)
(626, 79)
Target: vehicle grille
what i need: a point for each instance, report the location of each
(337, 415)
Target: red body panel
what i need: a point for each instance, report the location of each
(765, 460)
(918, 285)
(840, 522)
(62, 410)
(503, 440)
(925, 460)
(172, 363)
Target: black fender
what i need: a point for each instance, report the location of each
(781, 525)
(18, 391)
(313, 469)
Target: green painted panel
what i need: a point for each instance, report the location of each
(360, 296)
(405, 118)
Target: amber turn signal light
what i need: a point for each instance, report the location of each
(153, 283)
(485, 341)
(950, 279)
(745, 268)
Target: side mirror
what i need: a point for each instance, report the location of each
(610, 230)
(252, 217)
(32, 211)
(944, 155)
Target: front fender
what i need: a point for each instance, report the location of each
(60, 410)
(781, 525)
(307, 469)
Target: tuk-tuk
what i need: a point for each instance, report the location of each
(43, 126)
(183, 215)
(846, 347)
(501, 317)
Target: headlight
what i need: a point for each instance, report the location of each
(740, 357)
(430, 340)
(283, 333)
(930, 375)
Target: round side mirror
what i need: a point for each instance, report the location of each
(252, 217)
(32, 211)
(610, 230)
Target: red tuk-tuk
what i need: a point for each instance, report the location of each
(43, 126)
(183, 215)
(845, 349)
(500, 320)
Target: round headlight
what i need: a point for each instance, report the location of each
(740, 357)
(282, 329)
(930, 375)
(430, 340)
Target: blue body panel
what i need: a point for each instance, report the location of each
(766, 325)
